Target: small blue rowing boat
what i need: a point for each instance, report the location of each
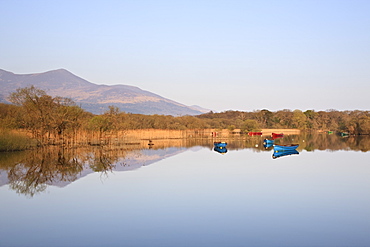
(280, 148)
(267, 141)
(220, 144)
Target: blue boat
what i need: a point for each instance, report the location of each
(267, 141)
(220, 144)
(221, 150)
(284, 153)
(280, 148)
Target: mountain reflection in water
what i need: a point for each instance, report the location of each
(30, 172)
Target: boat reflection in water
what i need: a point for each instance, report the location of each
(221, 150)
(284, 150)
(284, 153)
(220, 144)
(280, 148)
(268, 145)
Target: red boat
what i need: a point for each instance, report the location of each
(275, 135)
(255, 133)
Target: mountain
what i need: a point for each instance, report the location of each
(92, 97)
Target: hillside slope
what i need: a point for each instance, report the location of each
(92, 97)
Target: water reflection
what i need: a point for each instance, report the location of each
(268, 146)
(30, 172)
(268, 142)
(33, 172)
(307, 141)
(284, 153)
(221, 150)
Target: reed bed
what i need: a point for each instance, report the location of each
(18, 140)
(13, 141)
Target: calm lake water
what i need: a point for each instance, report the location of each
(188, 194)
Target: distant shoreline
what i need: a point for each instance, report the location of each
(284, 131)
(152, 134)
(20, 140)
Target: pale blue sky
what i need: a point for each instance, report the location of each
(221, 55)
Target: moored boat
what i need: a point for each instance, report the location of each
(279, 148)
(277, 135)
(220, 144)
(267, 141)
(255, 133)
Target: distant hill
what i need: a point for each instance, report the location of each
(92, 97)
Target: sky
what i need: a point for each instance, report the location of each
(218, 54)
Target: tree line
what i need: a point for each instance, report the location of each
(42, 115)
(354, 122)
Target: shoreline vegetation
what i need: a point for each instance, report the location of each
(37, 119)
(17, 140)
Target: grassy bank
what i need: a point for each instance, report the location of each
(12, 141)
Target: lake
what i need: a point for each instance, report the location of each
(184, 193)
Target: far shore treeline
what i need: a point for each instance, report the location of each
(42, 117)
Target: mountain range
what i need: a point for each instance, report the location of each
(93, 97)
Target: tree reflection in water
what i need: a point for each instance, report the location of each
(31, 175)
(30, 172)
(102, 161)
